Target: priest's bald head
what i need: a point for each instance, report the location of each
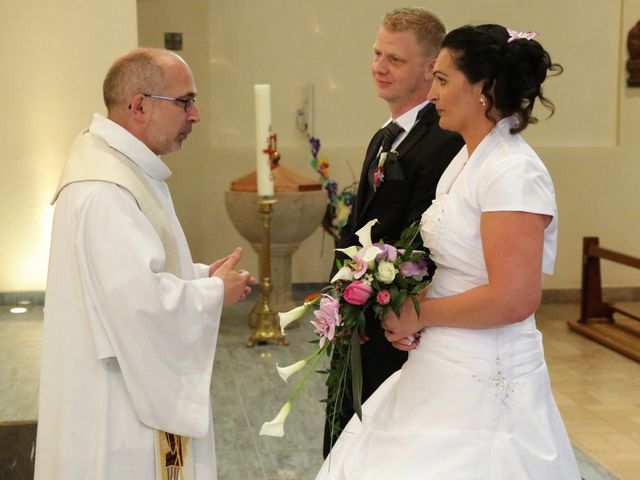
(151, 93)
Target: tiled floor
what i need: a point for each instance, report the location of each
(598, 392)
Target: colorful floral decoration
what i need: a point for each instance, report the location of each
(340, 203)
(374, 275)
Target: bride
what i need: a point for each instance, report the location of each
(473, 401)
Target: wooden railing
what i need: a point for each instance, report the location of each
(597, 316)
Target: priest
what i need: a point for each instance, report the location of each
(130, 323)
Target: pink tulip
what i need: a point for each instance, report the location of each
(357, 293)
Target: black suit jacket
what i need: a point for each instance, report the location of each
(423, 156)
(401, 199)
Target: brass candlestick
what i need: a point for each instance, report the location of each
(267, 327)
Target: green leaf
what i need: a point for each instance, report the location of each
(337, 386)
(356, 374)
(398, 300)
(360, 320)
(416, 304)
(350, 316)
(420, 286)
(381, 312)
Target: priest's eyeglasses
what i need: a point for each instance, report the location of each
(187, 102)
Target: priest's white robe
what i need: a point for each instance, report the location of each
(128, 348)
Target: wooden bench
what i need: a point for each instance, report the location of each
(597, 321)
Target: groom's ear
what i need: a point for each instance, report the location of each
(428, 73)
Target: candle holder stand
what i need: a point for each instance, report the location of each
(267, 326)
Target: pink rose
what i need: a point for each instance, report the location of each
(383, 297)
(357, 293)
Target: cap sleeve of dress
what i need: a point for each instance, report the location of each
(517, 183)
(520, 182)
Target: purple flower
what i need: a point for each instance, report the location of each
(315, 146)
(416, 270)
(388, 251)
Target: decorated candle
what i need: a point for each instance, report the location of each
(263, 125)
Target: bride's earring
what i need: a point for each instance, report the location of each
(483, 102)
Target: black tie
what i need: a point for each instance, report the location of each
(389, 135)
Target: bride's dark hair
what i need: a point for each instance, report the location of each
(512, 72)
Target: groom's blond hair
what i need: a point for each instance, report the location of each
(425, 25)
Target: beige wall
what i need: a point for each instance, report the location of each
(291, 43)
(54, 57)
(591, 145)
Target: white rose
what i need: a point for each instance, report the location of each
(386, 272)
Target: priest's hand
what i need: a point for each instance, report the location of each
(217, 264)
(236, 282)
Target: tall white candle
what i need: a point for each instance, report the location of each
(263, 123)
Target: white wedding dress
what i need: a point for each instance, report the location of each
(469, 404)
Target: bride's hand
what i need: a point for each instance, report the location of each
(406, 344)
(403, 332)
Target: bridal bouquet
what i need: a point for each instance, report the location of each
(375, 275)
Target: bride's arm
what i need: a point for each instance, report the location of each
(513, 246)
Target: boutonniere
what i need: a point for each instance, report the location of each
(378, 173)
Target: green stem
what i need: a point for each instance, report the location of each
(339, 397)
(310, 369)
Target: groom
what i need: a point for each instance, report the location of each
(401, 168)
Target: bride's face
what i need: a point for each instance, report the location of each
(457, 101)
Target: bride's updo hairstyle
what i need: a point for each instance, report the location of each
(511, 65)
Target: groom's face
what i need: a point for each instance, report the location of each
(400, 69)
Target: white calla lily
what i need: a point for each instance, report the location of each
(370, 253)
(286, 372)
(345, 273)
(364, 234)
(275, 428)
(350, 252)
(291, 316)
